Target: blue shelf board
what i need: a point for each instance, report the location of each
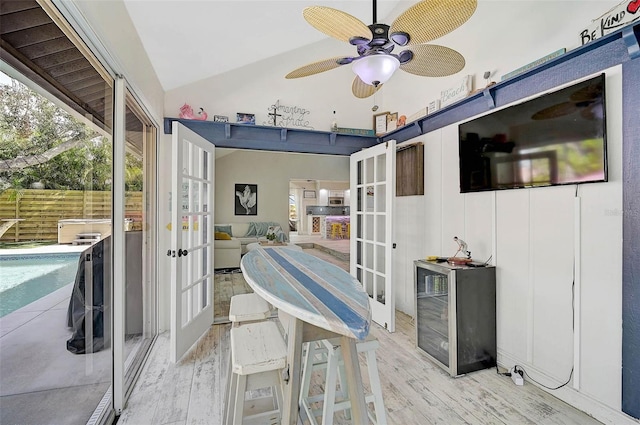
(242, 136)
(610, 50)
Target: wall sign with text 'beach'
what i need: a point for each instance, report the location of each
(457, 92)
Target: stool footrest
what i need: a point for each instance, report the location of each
(327, 355)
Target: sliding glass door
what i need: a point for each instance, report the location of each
(78, 185)
(134, 197)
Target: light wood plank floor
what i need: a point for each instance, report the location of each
(416, 391)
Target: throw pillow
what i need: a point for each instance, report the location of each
(222, 236)
(224, 229)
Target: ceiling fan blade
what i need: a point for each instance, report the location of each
(363, 90)
(430, 19)
(555, 111)
(592, 112)
(432, 60)
(587, 93)
(315, 68)
(336, 23)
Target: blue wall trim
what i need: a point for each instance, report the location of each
(239, 136)
(610, 50)
(631, 38)
(631, 238)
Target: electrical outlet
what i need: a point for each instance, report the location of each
(516, 376)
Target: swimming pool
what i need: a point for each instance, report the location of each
(29, 277)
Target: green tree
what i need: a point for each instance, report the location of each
(134, 177)
(40, 142)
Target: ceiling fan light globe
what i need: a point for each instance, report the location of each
(376, 69)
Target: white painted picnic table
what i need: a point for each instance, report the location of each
(317, 300)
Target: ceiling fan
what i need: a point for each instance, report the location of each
(587, 100)
(376, 60)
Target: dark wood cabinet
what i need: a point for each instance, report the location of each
(410, 170)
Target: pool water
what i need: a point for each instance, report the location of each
(27, 278)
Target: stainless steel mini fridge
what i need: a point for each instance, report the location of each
(456, 315)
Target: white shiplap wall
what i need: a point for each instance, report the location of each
(530, 233)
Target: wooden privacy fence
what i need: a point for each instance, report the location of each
(40, 210)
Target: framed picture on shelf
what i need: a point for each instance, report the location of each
(309, 194)
(242, 118)
(380, 123)
(220, 118)
(392, 121)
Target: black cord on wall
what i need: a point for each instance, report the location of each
(521, 371)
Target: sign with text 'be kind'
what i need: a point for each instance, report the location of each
(623, 14)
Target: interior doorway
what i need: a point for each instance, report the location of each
(311, 202)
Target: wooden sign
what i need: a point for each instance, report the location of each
(417, 115)
(433, 106)
(356, 131)
(457, 92)
(534, 64)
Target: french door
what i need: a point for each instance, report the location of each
(191, 253)
(372, 182)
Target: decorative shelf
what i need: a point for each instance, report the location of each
(242, 136)
(605, 52)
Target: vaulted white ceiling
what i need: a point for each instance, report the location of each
(191, 40)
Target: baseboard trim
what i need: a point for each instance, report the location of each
(580, 401)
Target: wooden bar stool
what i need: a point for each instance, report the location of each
(326, 355)
(248, 308)
(244, 308)
(258, 354)
(336, 230)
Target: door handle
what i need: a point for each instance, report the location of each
(171, 253)
(182, 252)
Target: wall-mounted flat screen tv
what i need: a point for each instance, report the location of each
(557, 138)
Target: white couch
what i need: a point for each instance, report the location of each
(227, 253)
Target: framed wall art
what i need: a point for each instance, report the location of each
(246, 199)
(380, 123)
(243, 118)
(392, 121)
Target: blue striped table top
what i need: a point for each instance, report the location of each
(310, 289)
